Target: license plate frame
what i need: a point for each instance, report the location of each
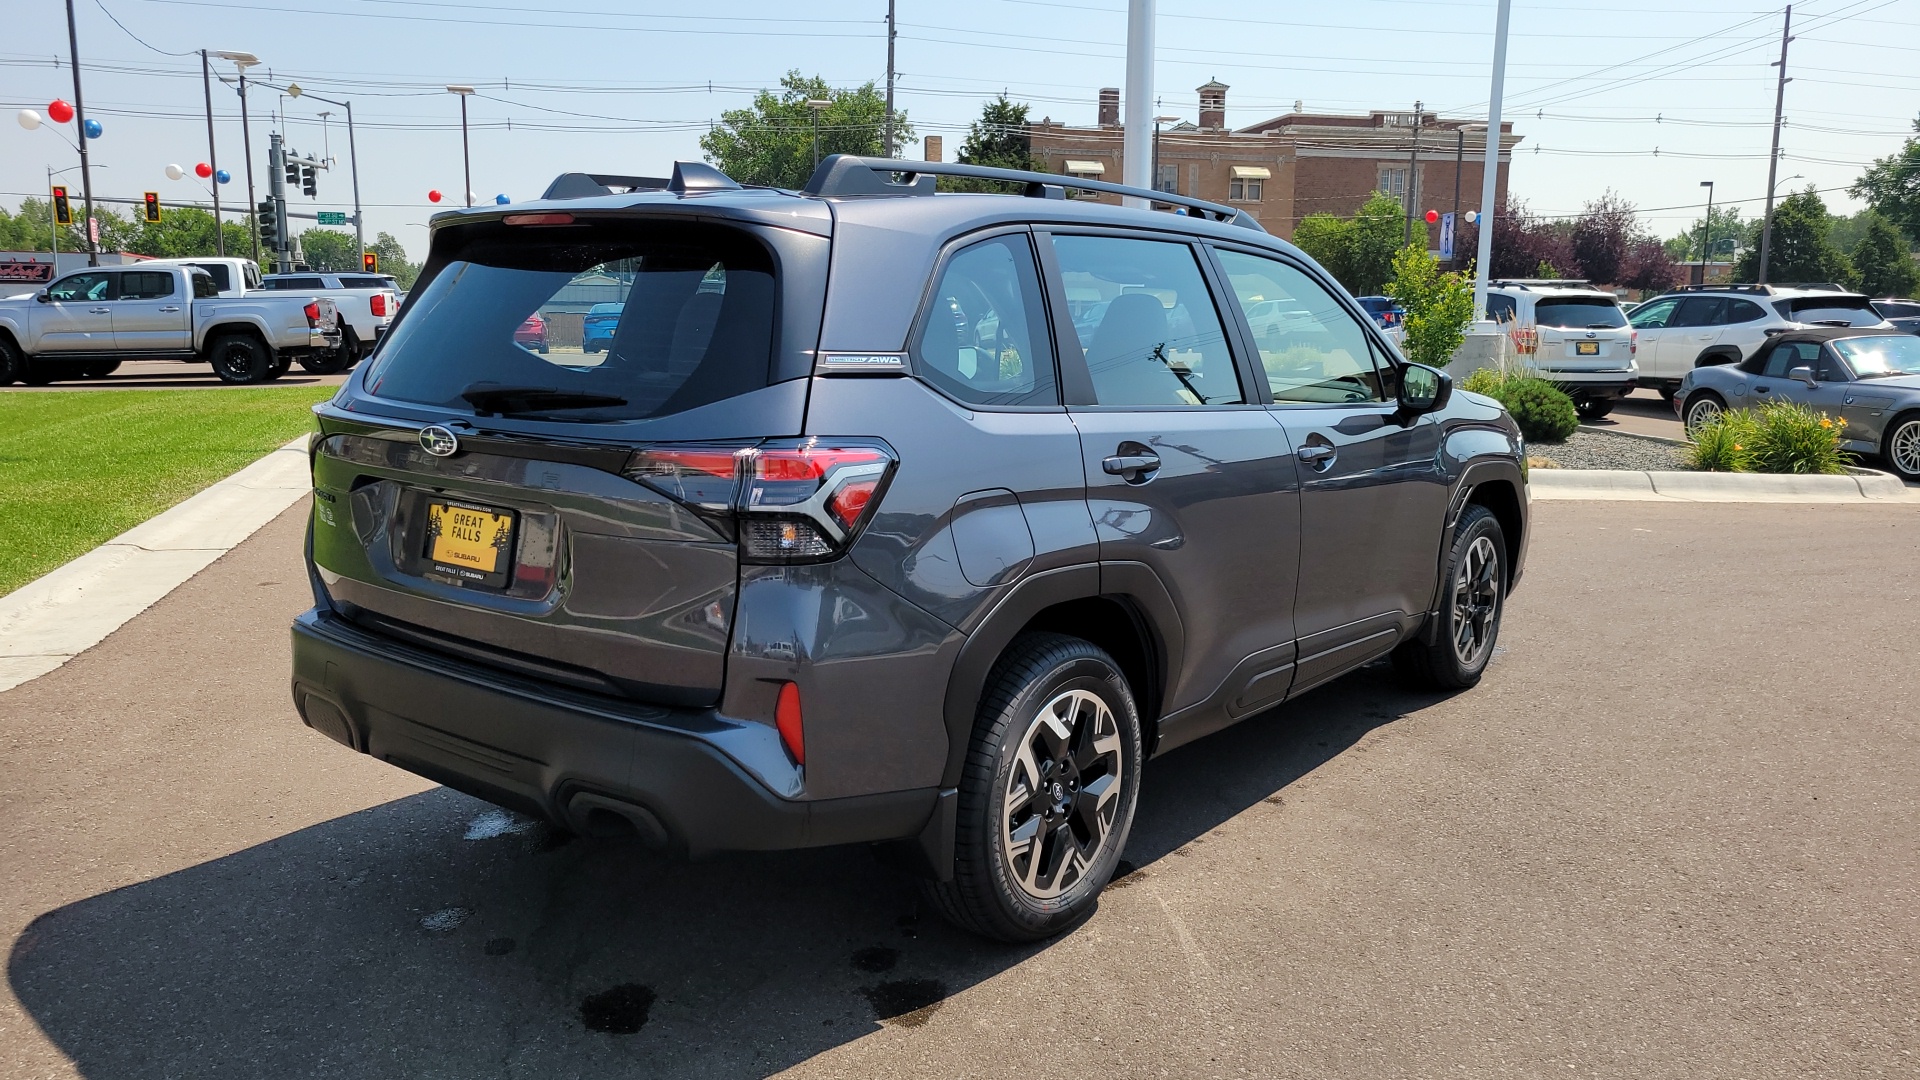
(462, 558)
(1586, 348)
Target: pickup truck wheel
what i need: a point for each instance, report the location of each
(11, 362)
(335, 360)
(41, 373)
(99, 369)
(1048, 794)
(241, 359)
(1470, 608)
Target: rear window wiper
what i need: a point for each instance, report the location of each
(505, 400)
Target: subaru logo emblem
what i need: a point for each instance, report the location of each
(438, 441)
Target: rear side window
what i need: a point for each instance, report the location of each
(1502, 309)
(1744, 311)
(1147, 322)
(984, 339)
(1701, 311)
(1842, 310)
(363, 283)
(146, 285)
(696, 325)
(1580, 313)
(203, 286)
(296, 284)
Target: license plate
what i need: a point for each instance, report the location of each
(470, 542)
(1586, 348)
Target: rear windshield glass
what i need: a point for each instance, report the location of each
(1844, 310)
(1580, 313)
(498, 329)
(347, 282)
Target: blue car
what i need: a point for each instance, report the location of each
(1384, 310)
(597, 330)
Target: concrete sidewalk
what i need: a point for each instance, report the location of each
(46, 622)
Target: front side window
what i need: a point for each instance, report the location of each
(1654, 314)
(1313, 349)
(1146, 322)
(82, 287)
(1789, 355)
(984, 340)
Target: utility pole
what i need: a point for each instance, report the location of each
(1459, 160)
(1773, 159)
(1413, 170)
(246, 143)
(213, 160)
(1136, 143)
(1706, 236)
(80, 118)
(1490, 175)
(888, 136)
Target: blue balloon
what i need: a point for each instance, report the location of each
(223, 176)
(502, 200)
(94, 129)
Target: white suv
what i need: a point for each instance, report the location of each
(1702, 325)
(1573, 334)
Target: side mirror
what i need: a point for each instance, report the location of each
(1424, 389)
(1803, 374)
(43, 297)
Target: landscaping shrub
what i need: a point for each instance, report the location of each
(1779, 437)
(1545, 415)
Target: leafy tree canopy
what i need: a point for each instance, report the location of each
(1358, 251)
(1439, 305)
(771, 141)
(1803, 247)
(1891, 185)
(1881, 258)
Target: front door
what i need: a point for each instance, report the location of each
(1696, 326)
(1186, 473)
(78, 315)
(150, 314)
(1372, 495)
(1650, 321)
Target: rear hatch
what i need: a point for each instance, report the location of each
(1829, 309)
(1583, 334)
(565, 515)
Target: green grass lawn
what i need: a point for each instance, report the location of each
(82, 467)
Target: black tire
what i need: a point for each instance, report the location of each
(335, 360)
(1704, 402)
(1900, 449)
(12, 364)
(1081, 792)
(1668, 393)
(45, 372)
(1593, 408)
(543, 348)
(240, 359)
(1472, 602)
(98, 369)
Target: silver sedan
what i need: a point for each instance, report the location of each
(1870, 378)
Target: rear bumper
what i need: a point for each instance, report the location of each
(584, 762)
(1592, 383)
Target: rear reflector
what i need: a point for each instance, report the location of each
(786, 717)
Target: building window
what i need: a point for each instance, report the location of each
(1240, 190)
(1393, 181)
(1168, 179)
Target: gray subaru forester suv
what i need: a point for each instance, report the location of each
(885, 516)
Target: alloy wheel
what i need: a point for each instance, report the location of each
(1903, 449)
(1476, 601)
(1701, 413)
(1062, 794)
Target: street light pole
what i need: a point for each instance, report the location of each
(1413, 170)
(1706, 231)
(889, 131)
(817, 105)
(1773, 159)
(1489, 181)
(80, 118)
(466, 159)
(353, 157)
(213, 159)
(1136, 152)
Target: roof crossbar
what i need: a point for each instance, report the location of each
(847, 174)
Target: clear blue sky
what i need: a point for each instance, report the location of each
(1643, 97)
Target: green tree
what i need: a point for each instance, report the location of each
(1881, 258)
(1358, 251)
(1000, 139)
(1725, 225)
(1891, 185)
(1439, 305)
(771, 142)
(29, 230)
(187, 231)
(1803, 248)
(393, 260)
(329, 251)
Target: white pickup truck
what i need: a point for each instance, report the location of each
(84, 324)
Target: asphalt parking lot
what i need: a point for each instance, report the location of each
(171, 375)
(1674, 833)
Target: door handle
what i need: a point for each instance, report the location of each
(1131, 465)
(99, 311)
(1760, 389)
(170, 310)
(1318, 455)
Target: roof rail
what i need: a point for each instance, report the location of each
(688, 176)
(847, 174)
(1757, 290)
(1815, 286)
(1551, 283)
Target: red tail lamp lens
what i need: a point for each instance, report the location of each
(313, 312)
(786, 717)
(379, 305)
(847, 504)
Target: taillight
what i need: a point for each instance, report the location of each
(1633, 342)
(801, 500)
(379, 305)
(313, 312)
(786, 719)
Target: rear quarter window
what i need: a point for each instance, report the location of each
(697, 323)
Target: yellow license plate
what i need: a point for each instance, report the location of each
(468, 538)
(1586, 348)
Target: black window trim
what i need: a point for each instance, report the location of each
(950, 250)
(1077, 382)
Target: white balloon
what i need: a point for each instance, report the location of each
(1472, 216)
(29, 119)
(175, 172)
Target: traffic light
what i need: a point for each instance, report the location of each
(293, 173)
(153, 208)
(269, 223)
(306, 181)
(369, 262)
(62, 212)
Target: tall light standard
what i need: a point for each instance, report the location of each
(213, 158)
(1157, 121)
(80, 125)
(1489, 181)
(1706, 236)
(466, 159)
(1136, 150)
(818, 106)
(1766, 229)
(353, 157)
(241, 62)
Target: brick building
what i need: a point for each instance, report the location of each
(1283, 169)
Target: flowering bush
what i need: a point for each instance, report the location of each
(1778, 437)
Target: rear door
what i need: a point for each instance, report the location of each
(1372, 496)
(150, 314)
(78, 314)
(1185, 471)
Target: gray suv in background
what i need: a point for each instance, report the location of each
(886, 516)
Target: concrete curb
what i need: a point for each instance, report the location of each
(49, 621)
(1626, 485)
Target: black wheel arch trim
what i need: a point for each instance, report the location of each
(1473, 476)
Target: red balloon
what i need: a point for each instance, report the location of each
(433, 196)
(1433, 216)
(203, 170)
(59, 111)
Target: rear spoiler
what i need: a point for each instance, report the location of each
(688, 177)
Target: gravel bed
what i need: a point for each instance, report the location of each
(1590, 449)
